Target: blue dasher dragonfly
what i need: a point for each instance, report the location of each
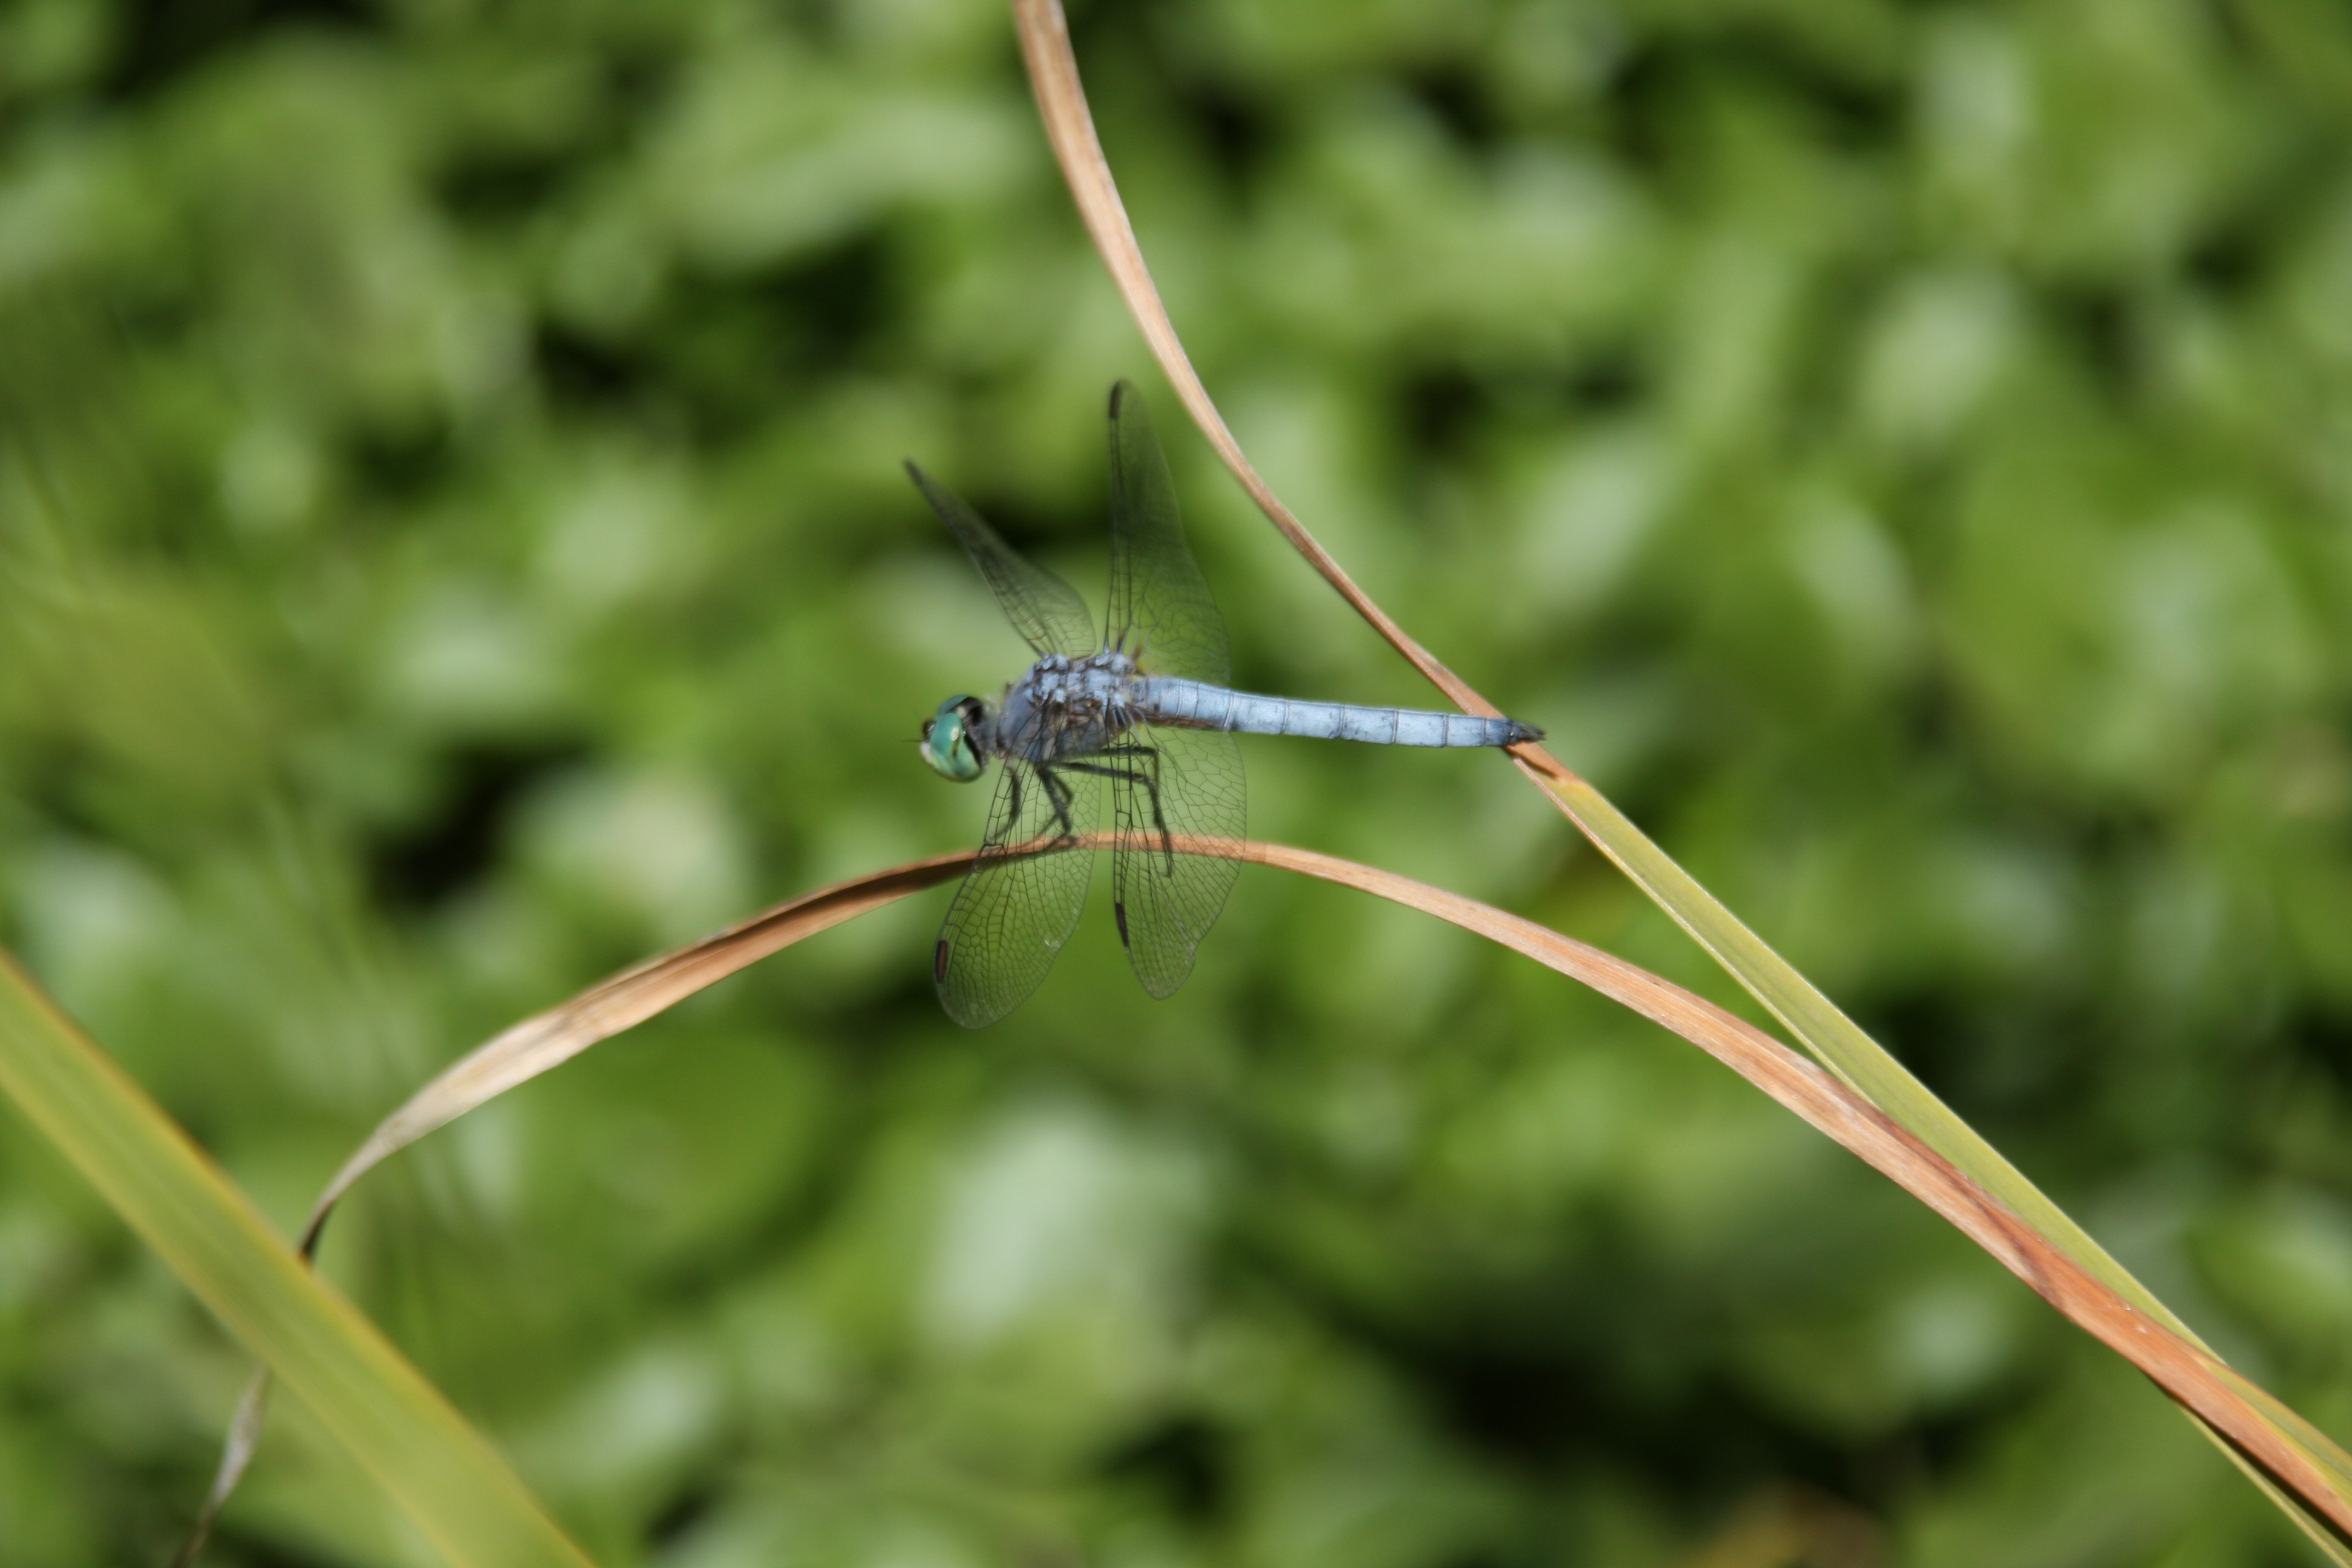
(1144, 706)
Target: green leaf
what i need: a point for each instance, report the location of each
(452, 1484)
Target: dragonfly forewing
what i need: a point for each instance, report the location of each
(1022, 899)
(1046, 611)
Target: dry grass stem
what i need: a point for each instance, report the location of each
(2191, 1375)
(547, 1040)
(1062, 104)
(1865, 1067)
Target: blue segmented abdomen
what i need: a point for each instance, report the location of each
(1192, 704)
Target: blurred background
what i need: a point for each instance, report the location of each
(453, 544)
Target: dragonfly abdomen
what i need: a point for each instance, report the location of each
(1195, 705)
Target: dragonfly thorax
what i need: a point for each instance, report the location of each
(1066, 707)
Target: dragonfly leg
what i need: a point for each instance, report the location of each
(1159, 817)
(1058, 794)
(1012, 795)
(1150, 780)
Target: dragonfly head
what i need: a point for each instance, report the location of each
(948, 745)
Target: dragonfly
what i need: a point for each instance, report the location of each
(1143, 708)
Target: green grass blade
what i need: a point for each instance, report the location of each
(1842, 1047)
(452, 1484)
(1832, 1037)
(1835, 1040)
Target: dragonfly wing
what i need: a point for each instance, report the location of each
(1157, 592)
(1021, 899)
(1046, 611)
(1168, 783)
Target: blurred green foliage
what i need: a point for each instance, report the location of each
(452, 543)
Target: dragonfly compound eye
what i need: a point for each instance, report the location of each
(946, 742)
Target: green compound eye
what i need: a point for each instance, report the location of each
(946, 742)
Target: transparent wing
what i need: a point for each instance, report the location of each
(1046, 611)
(1167, 784)
(1021, 901)
(1157, 592)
